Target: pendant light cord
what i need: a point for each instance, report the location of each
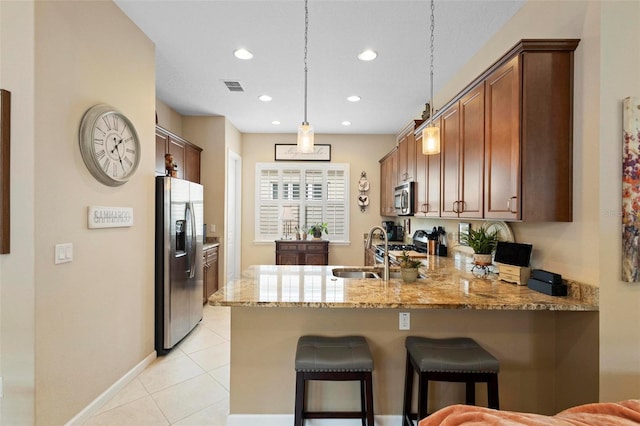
(306, 40)
(433, 24)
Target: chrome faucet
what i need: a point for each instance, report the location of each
(385, 275)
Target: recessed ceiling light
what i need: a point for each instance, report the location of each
(243, 54)
(346, 123)
(265, 98)
(275, 122)
(367, 55)
(354, 98)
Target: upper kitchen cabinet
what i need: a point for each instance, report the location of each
(427, 181)
(462, 156)
(186, 155)
(407, 152)
(528, 139)
(388, 182)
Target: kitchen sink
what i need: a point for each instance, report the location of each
(354, 273)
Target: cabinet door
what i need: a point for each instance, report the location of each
(161, 150)
(502, 143)
(388, 182)
(421, 178)
(471, 154)
(450, 159)
(176, 147)
(406, 157)
(210, 272)
(427, 181)
(192, 163)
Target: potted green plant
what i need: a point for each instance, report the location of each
(317, 229)
(408, 267)
(483, 242)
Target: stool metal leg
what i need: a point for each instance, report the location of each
(300, 399)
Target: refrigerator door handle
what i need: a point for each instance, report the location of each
(188, 238)
(193, 246)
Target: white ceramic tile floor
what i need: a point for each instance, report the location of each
(187, 387)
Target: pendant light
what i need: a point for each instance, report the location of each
(305, 131)
(431, 133)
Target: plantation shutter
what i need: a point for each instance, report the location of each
(310, 193)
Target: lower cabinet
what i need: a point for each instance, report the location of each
(210, 273)
(302, 252)
(369, 256)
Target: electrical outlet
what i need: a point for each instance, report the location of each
(405, 321)
(212, 228)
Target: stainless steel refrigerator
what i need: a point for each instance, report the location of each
(178, 260)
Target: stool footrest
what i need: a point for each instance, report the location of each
(334, 415)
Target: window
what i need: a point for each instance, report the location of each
(312, 193)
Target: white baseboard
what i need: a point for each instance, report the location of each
(106, 396)
(287, 420)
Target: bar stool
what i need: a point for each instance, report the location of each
(346, 358)
(459, 359)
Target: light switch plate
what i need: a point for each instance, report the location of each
(63, 253)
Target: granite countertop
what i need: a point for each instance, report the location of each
(448, 283)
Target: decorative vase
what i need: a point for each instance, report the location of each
(482, 259)
(409, 275)
(317, 235)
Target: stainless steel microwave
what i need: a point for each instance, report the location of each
(405, 199)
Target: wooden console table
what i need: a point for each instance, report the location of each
(302, 252)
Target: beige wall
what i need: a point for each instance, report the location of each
(619, 302)
(168, 118)
(93, 316)
(209, 134)
(362, 152)
(17, 273)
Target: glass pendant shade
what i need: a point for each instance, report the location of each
(305, 138)
(431, 140)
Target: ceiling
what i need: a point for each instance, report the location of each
(195, 41)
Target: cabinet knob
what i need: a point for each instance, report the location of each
(509, 204)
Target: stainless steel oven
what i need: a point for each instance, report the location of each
(405, 199)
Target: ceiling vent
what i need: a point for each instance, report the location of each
(233, 86)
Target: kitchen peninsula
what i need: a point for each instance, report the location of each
(547, 346)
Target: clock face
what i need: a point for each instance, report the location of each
(109, 145)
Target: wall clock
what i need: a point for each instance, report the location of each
(109, 145)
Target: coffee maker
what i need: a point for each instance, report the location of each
(388, 226)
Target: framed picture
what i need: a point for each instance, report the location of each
(288, 152)
(5, 153)
(630, 190)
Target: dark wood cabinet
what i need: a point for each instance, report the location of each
(407, 152)
(502, 142)
(506, 139)
(427, 181)
(369, 256)
(462, 151)
(302, 252)
(186, 155)
(529, 154)
(210, 271)
(388, 182)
